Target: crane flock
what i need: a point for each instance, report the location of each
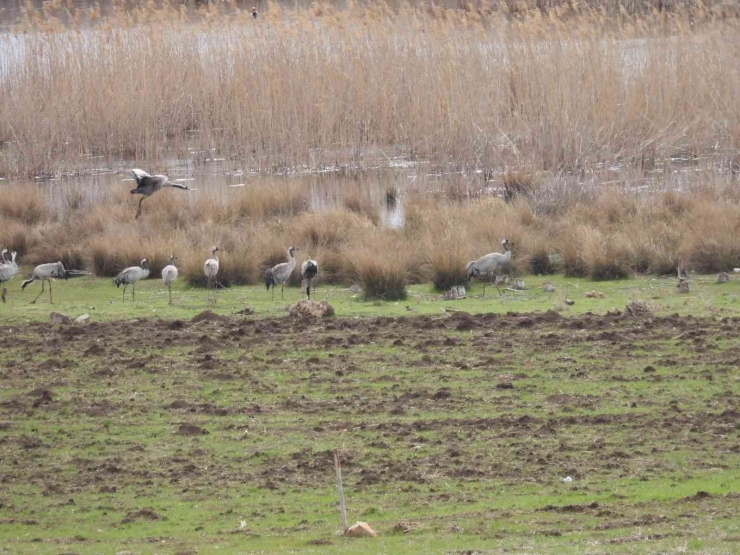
(485, 268)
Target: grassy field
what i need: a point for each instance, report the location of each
(149, 431)
(104, 302)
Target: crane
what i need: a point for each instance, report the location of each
(210, 269)
(169, 275)
(8, 269)
(489, 264)
(46, 272)
(280, 273)
(309, 270)
(130, 276)
(147, 185)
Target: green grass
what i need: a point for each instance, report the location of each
(429, 435)
(101, 299)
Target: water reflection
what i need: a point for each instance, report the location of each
(368, 190)
(382, 193)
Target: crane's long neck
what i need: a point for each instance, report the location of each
(214, 255)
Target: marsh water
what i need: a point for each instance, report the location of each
(385, 190)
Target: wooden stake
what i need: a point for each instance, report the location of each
(340, 490)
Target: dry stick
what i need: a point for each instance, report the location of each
(340, 490)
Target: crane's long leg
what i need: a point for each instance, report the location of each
(138, 211)
(51, 299)
(308, 289)
(484, 289)
(133, 292)
(2, 293)
(123, 297)
(170, 289)
(42, 292)
(273, 293)
(282, 291)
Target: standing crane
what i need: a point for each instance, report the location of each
(147, 185)
(210, 268)
(46, 272)
(169, 275)
(280, 273)
(489, 264)
(8, 269)
(130, 276)
(309, 270)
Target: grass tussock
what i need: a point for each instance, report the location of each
(446, 243)
(613, 235)
(381, 263)
(26, 205)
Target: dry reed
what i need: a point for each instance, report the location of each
(613, 235)
(532, 98)
(322, 87)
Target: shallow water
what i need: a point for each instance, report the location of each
(326, 190)
(330, 188)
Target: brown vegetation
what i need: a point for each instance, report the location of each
(472, 87)
(609, 234)
(566, 115)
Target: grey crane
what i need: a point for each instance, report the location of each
(130, 276)
(147, 185)
(488, 265)
(46, 272)
(8, 269)
(280, 273)
(169, 275)
(309, 270)
(210, 269)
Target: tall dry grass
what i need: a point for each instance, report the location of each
(542, 86)
(381, 262)
(612, 234)
(530, 96)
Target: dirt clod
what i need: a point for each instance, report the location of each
(186, 429)
(637, 309)
(208, 316)
(311, 309)
(360, 529)
(58, 318)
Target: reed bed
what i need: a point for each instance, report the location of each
(542, 86)
(529, 96)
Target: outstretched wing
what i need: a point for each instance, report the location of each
(161, 178)
(139, 175)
